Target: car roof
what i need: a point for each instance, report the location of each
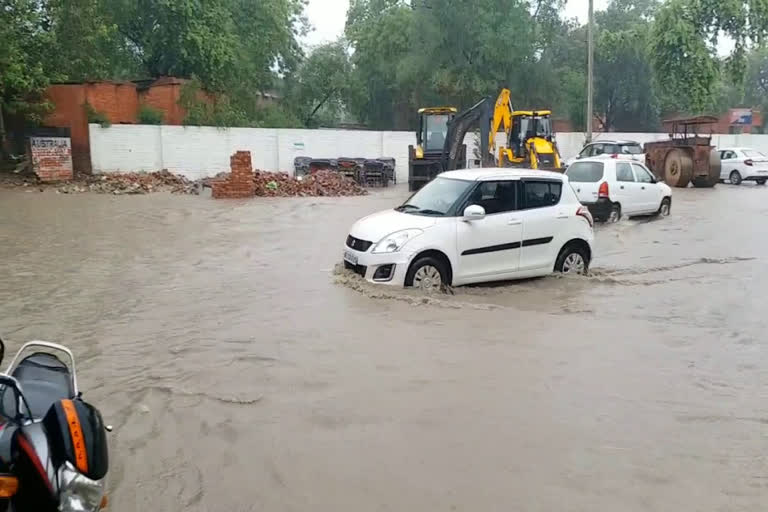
(736, 149)
(608, 141)
(496, 173)
(603, 159)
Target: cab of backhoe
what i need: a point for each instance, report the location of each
(433, 128)
(532, 140)
(529, 124)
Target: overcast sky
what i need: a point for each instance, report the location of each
(328, 18)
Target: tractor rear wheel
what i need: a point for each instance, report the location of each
(678, 168)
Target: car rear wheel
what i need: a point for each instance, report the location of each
(573, 259)
(735, 178)
(614, 215)
(427, 274)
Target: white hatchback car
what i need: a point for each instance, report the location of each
(475, 226)
(608, 148)
(743, 164)
(612, 187)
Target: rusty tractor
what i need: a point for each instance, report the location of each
(687, 156)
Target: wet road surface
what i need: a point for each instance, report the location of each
(241, 374)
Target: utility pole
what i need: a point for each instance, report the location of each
(590, 67)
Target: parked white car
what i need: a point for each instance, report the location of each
(612, 187)
(609, 148)
(474, 226)
(743, 164)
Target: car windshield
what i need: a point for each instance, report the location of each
(631, 149)
(436, 198)
(585, 172)
(753, 153)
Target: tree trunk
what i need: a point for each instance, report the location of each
(319, 105)
(4, 145)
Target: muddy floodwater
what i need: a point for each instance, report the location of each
(242, 374)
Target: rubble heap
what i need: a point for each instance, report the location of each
(110, 183)
(136, 183)
(320, 183)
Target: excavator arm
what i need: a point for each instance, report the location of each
(502, 116)
(479, 114)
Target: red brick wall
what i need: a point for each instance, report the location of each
(119, 101)
(239, 184)
(68, 100)
(165, 98)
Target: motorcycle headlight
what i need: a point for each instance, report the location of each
(396, 241)
(78, 493)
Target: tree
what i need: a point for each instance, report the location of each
(85, 42)
(624, 94)
(323, 85)
(22, 75)
(683, 46)
(386, 63)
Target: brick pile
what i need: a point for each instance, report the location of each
(318, 184)
(239, 184)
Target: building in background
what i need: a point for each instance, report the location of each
(740, 120)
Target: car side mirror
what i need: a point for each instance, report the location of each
(2, 350)
(473, 212)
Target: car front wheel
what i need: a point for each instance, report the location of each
(573, 259)
(665, 208)
(427, 274)
(761, 182)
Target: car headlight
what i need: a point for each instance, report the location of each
(77, 492)
(396, 241)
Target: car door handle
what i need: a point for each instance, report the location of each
(642, 188)
(514, 222)
(563, 216)
(622, 187)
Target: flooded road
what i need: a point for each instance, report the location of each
(241, 374)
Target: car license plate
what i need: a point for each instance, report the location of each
(349, 257)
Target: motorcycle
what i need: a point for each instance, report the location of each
(53, 444)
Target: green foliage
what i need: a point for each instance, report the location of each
(322, 85)
(86, 43)
(203, 110)
(684, 39)
(685, 66)
(624, 93)
(23, 78)
(651, 58)
(96, 116)
(149, 115)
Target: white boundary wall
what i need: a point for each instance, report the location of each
(198, 152)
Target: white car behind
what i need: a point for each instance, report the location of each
(610, 148)
(613, 187)
(475, 226)
(743, 164)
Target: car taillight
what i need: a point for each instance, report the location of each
(603, 190)
(583, 211)
(615, 155)
(748, 162)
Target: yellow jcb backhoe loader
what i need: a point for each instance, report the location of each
(425, 159)
(530, 140)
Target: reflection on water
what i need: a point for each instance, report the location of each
(242, 372)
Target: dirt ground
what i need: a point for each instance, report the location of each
(241, 374)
